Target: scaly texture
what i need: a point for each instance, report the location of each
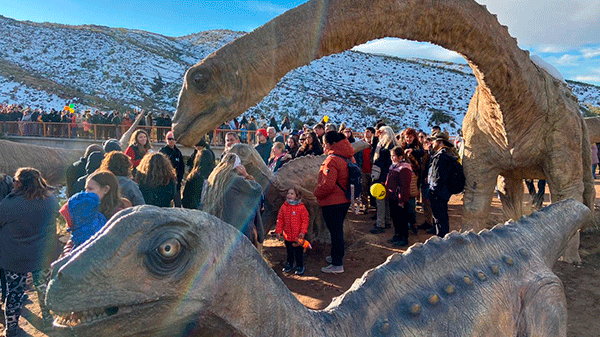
(175, 272)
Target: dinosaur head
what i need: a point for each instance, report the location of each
(207, 99)
(146, 263)
(254, 164)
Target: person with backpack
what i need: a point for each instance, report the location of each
(444, 179)
(331, 196)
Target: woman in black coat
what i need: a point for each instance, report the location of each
(28, 242)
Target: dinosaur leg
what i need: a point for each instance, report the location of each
(479, 190)
(566, 181)
(545, 311)
(511, 195)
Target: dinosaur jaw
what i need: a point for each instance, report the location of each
(110, 320)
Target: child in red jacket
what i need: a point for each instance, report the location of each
(292, 220)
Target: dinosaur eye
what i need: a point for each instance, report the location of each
(200, 79)
(169, 249)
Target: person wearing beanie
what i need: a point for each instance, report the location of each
(264, 144)
(77, 169)
(111, 145)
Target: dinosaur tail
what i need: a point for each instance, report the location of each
(546, 233)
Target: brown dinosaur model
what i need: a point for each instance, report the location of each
(521, 122)
(51, 162)
(174, 272)
(301, 172)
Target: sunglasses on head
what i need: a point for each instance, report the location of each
(170, 138)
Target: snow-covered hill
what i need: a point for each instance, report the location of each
(46, 65)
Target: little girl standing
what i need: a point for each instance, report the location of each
(292, 220)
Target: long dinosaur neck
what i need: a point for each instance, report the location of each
(319, 28)
(256, 300)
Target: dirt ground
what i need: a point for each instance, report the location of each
(365, 251)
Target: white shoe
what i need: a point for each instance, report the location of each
(328, 259)
(333, 269)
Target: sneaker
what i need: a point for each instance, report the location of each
(328, 259)
(299, 271)
(331, 269)
(402, 242)
(288, 268)
(377, 230)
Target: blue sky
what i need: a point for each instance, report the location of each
(565, 33)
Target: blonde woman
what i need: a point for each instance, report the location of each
(381, 165)
(231, 188)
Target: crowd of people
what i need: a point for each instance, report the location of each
(411, 165)
(67, 122)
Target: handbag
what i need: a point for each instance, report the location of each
(375, 172)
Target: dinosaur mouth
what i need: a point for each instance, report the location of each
(87, 317)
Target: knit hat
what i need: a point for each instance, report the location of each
(262, 132)
(111, 145)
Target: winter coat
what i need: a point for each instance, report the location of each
(74, 172)
(131, 191)
(28, 239)
(93, 163)
(208, 161)
(264, 149)
(384, 161)
(333, 174)
(192, 192)
(160, 196)
(292, 220)
(397, 184)
(82, 216)
(133, 153)
(176, 160)
(439, 173)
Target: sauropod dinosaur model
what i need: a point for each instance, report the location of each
(521, 122)
(301, 172)
(174, 272)
(51, 162)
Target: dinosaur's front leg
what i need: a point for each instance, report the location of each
(510, 188)
(479, 190)
(565, 179)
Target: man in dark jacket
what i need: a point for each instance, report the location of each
(77, 169)
(173, 153)
(437, 180)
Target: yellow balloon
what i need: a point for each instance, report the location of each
(378, 191)
(326, 119)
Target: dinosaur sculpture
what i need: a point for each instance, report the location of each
(51, 162)
(521, 122)
(301, 172)
(177, 272)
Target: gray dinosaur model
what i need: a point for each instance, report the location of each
(176, 272)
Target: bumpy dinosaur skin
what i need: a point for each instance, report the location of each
(177, 272)
(521, 123)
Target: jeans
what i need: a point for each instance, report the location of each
(334, 216)
(439, 208)
(383, 213)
